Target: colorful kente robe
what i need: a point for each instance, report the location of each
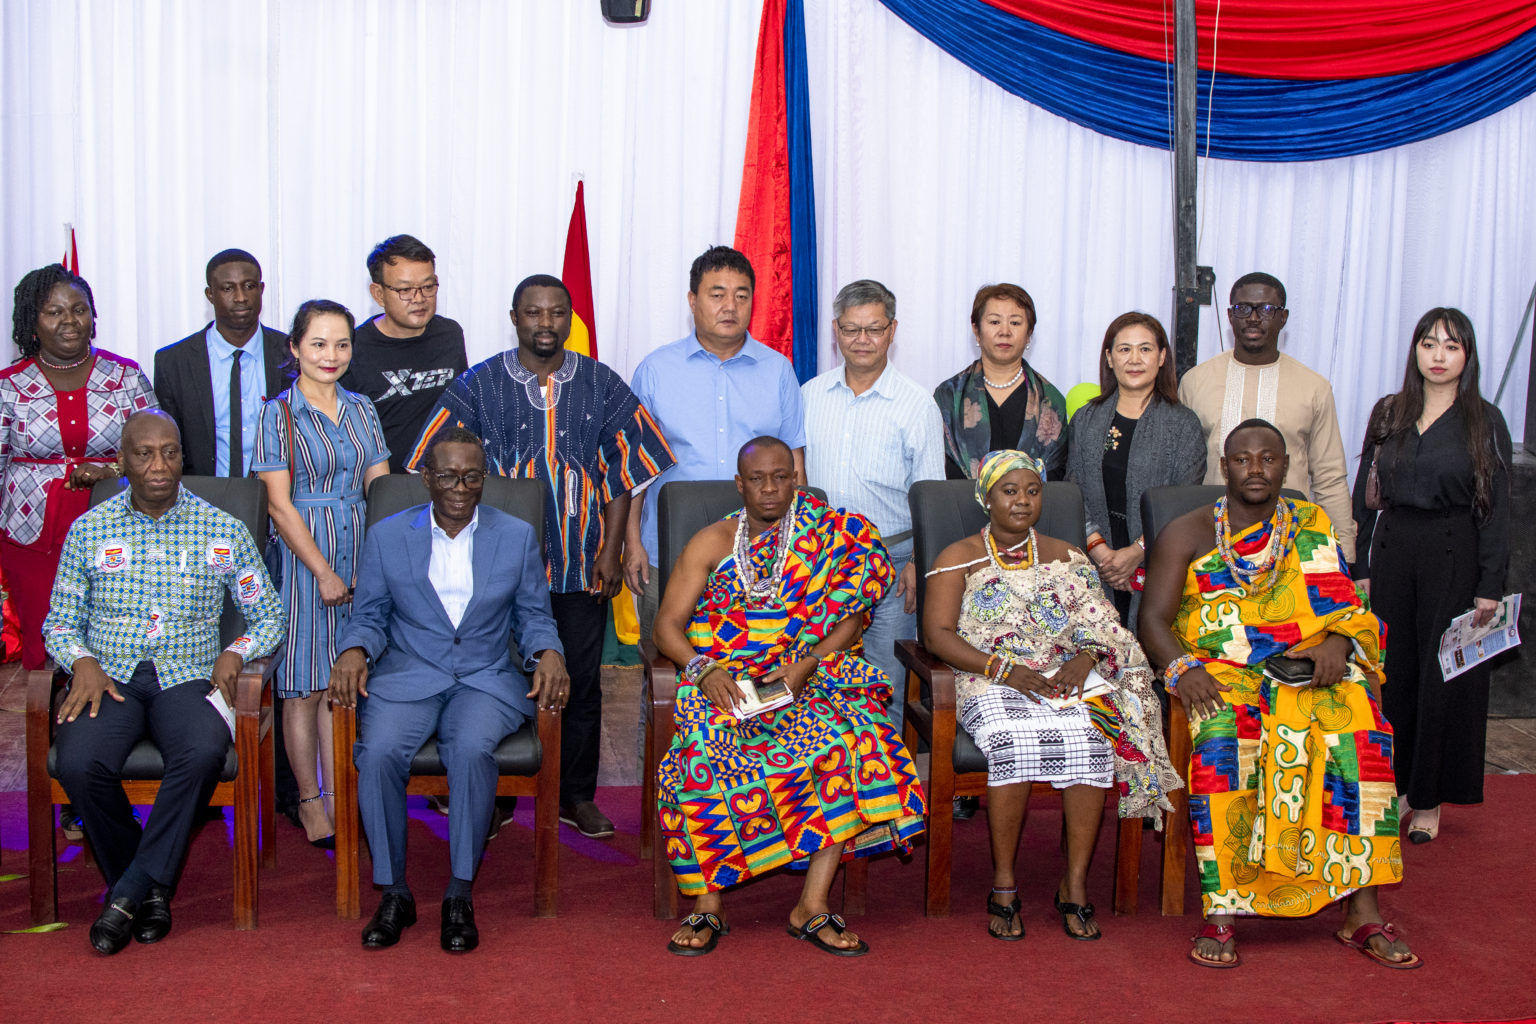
(1291, 795)
(740, 798)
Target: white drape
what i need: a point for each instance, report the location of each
(308, 131)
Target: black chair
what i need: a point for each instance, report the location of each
(944, 511)
(246, 781)
(1159, 507)
(528, 761)
(684, 507)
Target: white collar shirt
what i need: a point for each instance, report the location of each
(451, 569)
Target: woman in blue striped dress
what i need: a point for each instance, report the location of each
(317, 449)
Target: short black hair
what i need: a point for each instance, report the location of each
(229, 256)
(761, 441)
(719, 257)
(1258, 277)
(539, 281)
(31, 292)
(397, 247)
(452, 435)
(1253, 424)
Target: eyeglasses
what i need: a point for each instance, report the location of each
(1244, 310)
(851, 332)
(425, 291)
(448, 481)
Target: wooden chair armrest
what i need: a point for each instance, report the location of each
(343, 735)
(549, 736)
(40, 690)
(254, 677)
(660, 675)
(937, 674)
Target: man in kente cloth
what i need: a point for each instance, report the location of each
(779, 592)
(1291, 794)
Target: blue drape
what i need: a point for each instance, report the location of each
(802, 191)
(1261, 119)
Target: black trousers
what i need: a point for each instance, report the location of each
(580, 619)
(1423, 574)
(193, 740)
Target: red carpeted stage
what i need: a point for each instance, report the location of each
(1468, 906)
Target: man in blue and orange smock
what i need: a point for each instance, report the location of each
(780, 592)
(549, 414)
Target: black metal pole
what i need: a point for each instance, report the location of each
(1186, 307)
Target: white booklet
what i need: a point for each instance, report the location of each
(216, 698)
(1093, 686)
(761, 697)
(1462, 646)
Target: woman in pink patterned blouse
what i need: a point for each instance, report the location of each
(62, 407)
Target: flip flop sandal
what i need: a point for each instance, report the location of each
(698, 922)
(1220, 933)
(1361, 941)
(1083, 913)
(807, 933)
(1007, 912)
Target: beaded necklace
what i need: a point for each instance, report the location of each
(90, 351)
(1247, 570)
(758, 591)
(1010, 382)
(1030, 558)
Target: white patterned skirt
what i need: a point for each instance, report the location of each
(1029, 741)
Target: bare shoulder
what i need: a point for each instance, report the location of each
(712, 543)
(1054, 549)
(966, 549)
(1189, 534)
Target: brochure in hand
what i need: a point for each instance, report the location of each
(1093, 686)
(761, 697)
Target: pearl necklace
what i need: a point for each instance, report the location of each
(758, 591)
(1009, 383)
(89, 352)
(995, 555)
(1245, 570)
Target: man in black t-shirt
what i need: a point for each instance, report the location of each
(403, 358)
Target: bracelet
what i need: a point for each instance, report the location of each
(1004, 666)
(1141, 542)
(991, 667)
(1096, 542)
(1177, 667)
(698, 666)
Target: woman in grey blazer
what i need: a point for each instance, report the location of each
(1135, 435)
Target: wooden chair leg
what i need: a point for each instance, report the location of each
(546, 820)
(247, 795)
(941, 827)
(647, 785)
(1176, 829)
(268, 809)
(855, 886)
(664, 899)
(348, 828)
(1127, 860)
(42, 851)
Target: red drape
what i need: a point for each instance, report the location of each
(762, 214)
(1299, 39)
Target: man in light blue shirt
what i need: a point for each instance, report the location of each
(871, 433)
(711, 392)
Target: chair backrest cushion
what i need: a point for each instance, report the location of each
(243, 497)
(943, 511)
(400, 491)
(686, 507)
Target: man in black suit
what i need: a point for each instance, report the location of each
(206, 375)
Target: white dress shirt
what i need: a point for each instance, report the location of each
(451, 570)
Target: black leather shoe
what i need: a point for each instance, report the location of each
(153, 921)
(395, 915)
(111, 931)
(459, 932)
(965, 807)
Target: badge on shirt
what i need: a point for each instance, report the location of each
(113, 556)
(250, 587)
(156, 622)
(221, 555)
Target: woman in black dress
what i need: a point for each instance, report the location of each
(1437, 547)
(1135, 435)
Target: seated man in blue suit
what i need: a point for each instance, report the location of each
(439, 589)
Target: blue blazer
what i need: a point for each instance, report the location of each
(399, 621)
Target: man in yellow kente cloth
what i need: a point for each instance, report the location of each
(1292, 802)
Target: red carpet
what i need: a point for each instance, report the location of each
(1468, 906)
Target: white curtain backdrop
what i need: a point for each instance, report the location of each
(308, 131)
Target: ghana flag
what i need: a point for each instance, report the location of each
(577, 275)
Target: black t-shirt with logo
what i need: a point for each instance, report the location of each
(405, 377)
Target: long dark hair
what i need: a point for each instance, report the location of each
(1400, 412)
(1165, 386)
(31, 292)
(306, 312)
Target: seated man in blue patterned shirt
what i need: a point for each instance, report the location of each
(135, 618)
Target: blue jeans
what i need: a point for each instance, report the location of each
(891, 623)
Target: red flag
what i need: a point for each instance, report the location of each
(71, 260)
(577, 275)
(763, 213)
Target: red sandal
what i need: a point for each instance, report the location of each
(1220, 933)
(1361, 941)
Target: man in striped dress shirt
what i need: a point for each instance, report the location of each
(550, 414)
(871, 433)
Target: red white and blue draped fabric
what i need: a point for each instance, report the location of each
(776, 215)
(1292, 79)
